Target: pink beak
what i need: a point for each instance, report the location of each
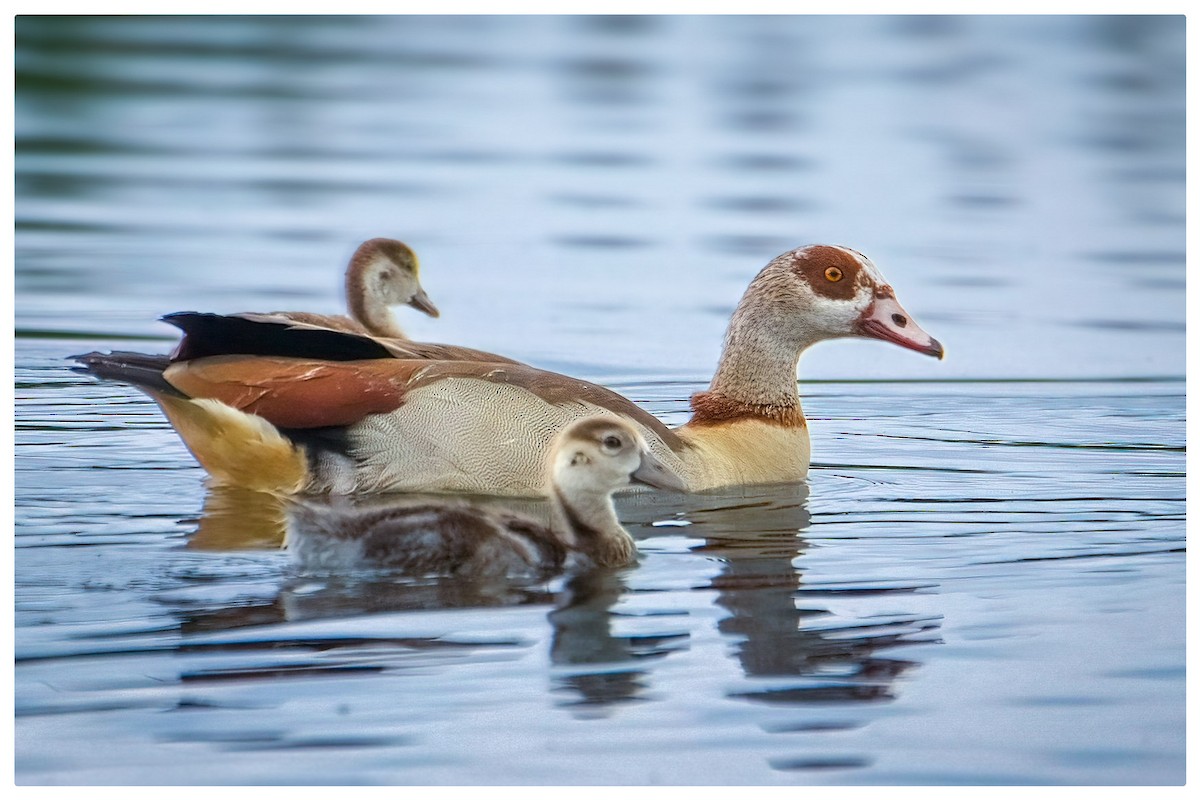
(886, 319)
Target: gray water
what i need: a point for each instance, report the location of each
(982, 580)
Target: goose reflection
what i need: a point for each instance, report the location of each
(777, 625)
(811, 667)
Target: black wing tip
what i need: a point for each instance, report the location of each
(180, 319)
(98, 359)
(207, 334)
(139, 369)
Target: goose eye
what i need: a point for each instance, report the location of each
(611, 443)
(833, 274)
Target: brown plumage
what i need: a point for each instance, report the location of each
(710, 408)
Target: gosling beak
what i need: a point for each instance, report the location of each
(886, 319)
(421, 302)
(653, 472)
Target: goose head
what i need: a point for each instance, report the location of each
(827, 292)
(594, 457)
(384, 272)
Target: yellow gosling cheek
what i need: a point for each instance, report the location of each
(236, 448)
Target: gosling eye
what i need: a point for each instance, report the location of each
(833, 274)
(611, 443)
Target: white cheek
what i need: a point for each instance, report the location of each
(831, 317)
(397, 290)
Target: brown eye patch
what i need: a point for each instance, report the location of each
(830, 271)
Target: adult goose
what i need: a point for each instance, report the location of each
(270, 407)
(382, 273)
(589, 460)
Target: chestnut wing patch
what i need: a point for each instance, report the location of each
(296, 393)
(299, 393)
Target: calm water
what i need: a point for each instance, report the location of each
(983, 579)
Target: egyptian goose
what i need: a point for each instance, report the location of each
(589, 460)
(297, 411)
(381, 273)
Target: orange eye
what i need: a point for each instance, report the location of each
(833, 274)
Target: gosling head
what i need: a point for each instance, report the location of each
(840, 293)
(386, 271)
(598, 455)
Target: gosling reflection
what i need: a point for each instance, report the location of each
(583, 637)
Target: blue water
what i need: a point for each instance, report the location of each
(981, 582)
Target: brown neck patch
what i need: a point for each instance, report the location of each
(714, 408)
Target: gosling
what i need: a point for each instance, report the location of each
(382, 273)
(590, 459)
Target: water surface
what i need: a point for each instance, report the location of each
(981, 582)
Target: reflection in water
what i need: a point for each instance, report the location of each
(583, 637)
(811, 655)
(308, 598)
(239, 519)
(754, 533)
